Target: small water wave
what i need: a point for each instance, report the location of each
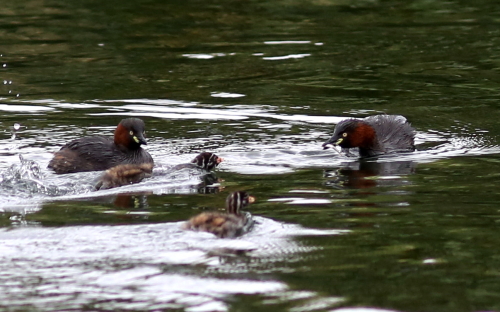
(145, 266)
(26, 186)
(26, 180)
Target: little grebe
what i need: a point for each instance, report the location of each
(374, 135)
(206, 161)
(230, 224)
(101, 153)
(134, 173)
(123, 175)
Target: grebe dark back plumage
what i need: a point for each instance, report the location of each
(100, 153)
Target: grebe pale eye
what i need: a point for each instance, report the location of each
(344, 134)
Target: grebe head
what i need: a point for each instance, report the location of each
(237, 201)
(130, 133)
(207, 161)
(352, 133)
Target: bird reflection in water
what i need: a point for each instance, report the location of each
(378, 185)
(363, 174)
(131, 201)
(209, 185)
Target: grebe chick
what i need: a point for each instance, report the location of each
(134, 173)
(206, 161)
(123, 175)
(100, 153)
(374, 135)
(231, 224)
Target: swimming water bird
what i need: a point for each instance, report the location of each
(374, 135)
(123, 175)
(231, 224)
(134, 173)
(206, 161)
(100, 153)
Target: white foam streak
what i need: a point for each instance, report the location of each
(24, 108)
(286, 57)
(287, 42)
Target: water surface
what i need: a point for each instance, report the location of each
(262, 85)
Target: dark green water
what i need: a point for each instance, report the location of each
(261, 84)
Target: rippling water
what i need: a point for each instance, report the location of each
(113, 265)
(262, 85)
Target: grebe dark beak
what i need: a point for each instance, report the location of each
(139, 139)
(327, 145)
(331, 143)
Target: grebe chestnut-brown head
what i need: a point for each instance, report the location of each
(353, 133)
(130, 133)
